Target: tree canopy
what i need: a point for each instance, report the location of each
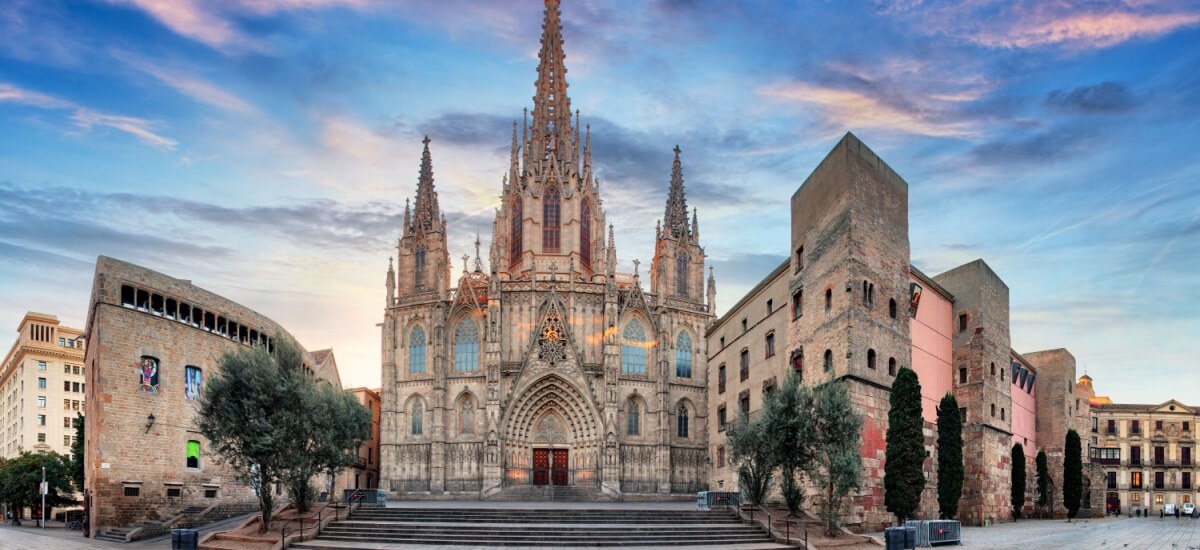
(837, 432)
(903, 478)
(1043, 479)
(787, 414)
(265, 416)
(950, 457)
(21, 478)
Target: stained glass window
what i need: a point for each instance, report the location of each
(466, 346)
(682, 422)
(633, 418)
(193, 454)
(551, 219)
(419, 272)
(681, 273)
(191, 383)
(418, 418)
(148, 374)
(683, 356)
(585, 234)
(416, 351)
(516, 236)
(633, 349)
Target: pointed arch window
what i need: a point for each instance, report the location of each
(828, 360)
(466, 346)
(551, 219)
(681, 273)
(633, 417)
(416, 351)
(681, 423)
(466, 419)
(633, 349)
(419, 271)
(418, 418)
(683, 355)
(515, 233)
(585, 234)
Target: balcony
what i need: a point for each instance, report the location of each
(1107, 461)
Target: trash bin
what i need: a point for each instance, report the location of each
(893, 538)
(184, 539)
(910, 538)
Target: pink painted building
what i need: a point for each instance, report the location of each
(1024, 405)
(932, 342)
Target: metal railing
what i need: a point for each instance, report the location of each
(355, 499)
(772, 531)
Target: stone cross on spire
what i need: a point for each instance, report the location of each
(676, 217)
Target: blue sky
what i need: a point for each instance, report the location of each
(264, 149)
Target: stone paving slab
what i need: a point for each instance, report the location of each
(1109, 533)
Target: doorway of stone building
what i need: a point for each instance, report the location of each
(550, 467)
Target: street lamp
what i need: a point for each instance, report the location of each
(149, 422)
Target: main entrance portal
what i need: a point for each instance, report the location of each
(550, 466)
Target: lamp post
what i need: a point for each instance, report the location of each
(43, 487)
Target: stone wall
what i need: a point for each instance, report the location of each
(1055, 413)
(125, 451)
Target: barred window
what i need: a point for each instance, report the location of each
(681, 427)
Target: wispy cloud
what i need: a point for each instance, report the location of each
(188, 84)
(1105, 97)
(86, 119)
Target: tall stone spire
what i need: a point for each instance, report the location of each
(427, 214)
(676, 217)
(551, 131)
(390, 284)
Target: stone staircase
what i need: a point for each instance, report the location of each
(117, 534)
(548, 527)
(564, 493)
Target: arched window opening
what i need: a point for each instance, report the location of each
(683, 355)
(828, 360)
(864, 293)
(633, 417)
(585, 234)
(681, 422)
(551, 219)
(993, 410)
(871, 359)
(892, 366)
(892, 308)
(466, 418)
(193, 454)
(993, 369)
(419, 270)
(681, 274)
(633, 349)
(418, 418)
(871, 295)
(516, 238)
(828, 299)
(466, 346)
(416, 351)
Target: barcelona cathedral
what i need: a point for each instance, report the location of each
(543, 368)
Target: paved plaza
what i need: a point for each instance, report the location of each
(1122, 533)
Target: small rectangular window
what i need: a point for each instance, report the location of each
(127, 295)
(66, 422)
(133, 491)
(66, 441)
(41, 420)
(210, 493)
(962, 322)
(42, 401)
(962, 375)
(41, 365)
(174, 492)
(744, 325)
(41, 438)
(41, 383)
(193, 454)
(770, 344)
(66, 385)
(798, 303)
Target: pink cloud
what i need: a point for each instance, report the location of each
(1086, 30)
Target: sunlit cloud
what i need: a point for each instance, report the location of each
(1085, 30)
(850, 109)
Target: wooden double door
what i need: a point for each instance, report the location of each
(550, 467)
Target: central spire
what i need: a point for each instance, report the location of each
(427, 212)
(551, 131)
(676, 216)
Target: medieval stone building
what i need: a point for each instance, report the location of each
(542, 366)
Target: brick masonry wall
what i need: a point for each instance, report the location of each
(121, 451)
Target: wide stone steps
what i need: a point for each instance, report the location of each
(114, 535)
(559, 528)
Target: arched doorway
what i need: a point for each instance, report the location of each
(552, 436)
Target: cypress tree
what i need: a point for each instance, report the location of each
(950, 459)
(1072, 474)
(1018, 480)
(903, 479)
(1043, 479)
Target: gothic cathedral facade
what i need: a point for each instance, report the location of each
(550, 371)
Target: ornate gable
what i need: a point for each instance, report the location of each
(551, 344)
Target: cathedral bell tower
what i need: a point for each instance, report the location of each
(677, 271)
(422, 259)
(551, 215)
